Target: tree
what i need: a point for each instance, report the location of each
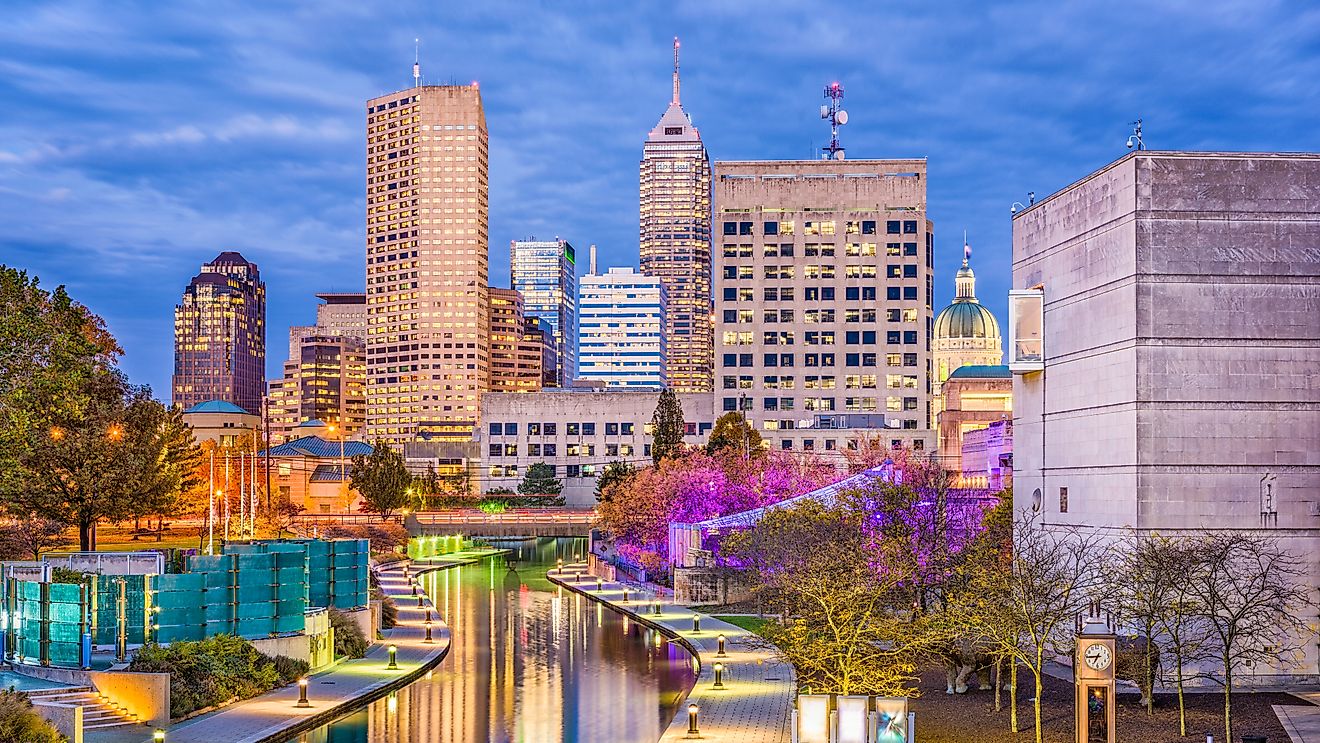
(615, 474)
(1252, 595)
(1181, 621)
(382, 478)
(540, 480)
(27, 538)
(667, 427)
(283, 514)
(166, 461)
(864, 452)
(1144, 584)
(1027, 611)
(733, 432)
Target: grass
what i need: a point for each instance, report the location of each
(755, 625)
(115, 539)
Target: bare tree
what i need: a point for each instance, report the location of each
(1144, 582)
(33, 535)
(1028, 610)
(1250, 593)
(1181, 622)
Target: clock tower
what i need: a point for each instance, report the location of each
(1093, 675)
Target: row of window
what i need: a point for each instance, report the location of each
(817, 404)
(813, 250)
(587, 428)
(868, 314)
(809, 337)
(821, 271)
(815, 382)
(820, 294)
(570, 450)
(823, 227)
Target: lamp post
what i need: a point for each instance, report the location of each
(302, 693)
(428, 632)
(719, 675)
(158, 736)
(343, 475)
(394, 659)
(720, 652)
(693, 730)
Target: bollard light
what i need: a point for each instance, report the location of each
(394, 659)
(428, 615)
(720, 652)
(559, 565)
(414, 587)
(419, 601)
(696, 623)
(693, 731)
(625, 595)
(600, 584)
(302, 693)
(428, 632)
(719, 675)
(655, 608)
(158, 736)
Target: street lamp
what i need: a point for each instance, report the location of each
(394, 658)
(302, 693)
(719, 675)
(720, 653)
(343, 475)
(693, 731)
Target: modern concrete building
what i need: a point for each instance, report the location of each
(577, 431)
(976, 396)
(823, 300)
(326, 381)
(220, 422)
(220, 336)
(1164, 330)
(340, 313)
(676, 241)
(515, 362)
(428, 305)
(987, 457)
(622, 329)
(966, 333)
(545, 273)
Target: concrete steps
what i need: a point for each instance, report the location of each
(98, 712)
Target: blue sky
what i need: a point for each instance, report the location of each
(140, 139)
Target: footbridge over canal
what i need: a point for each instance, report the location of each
(531, 522)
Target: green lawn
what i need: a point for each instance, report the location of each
(755, 625)
(111, 539)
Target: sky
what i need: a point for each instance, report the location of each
(139, 139)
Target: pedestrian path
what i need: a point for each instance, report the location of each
(758, 695)
(1302, 723)
(274, 716)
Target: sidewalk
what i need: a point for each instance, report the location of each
(1301, 723)
(333, 693)
(754, 708)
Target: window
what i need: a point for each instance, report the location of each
(497, 429)
(510, 429)
(574, 470)
(573, 429)
(626, 429)
(1063, 500)
(550, 428)
(730, 228)
(1026, 315)
(909, 227)
(550, 450)
(496, 449)
(892, 293)
(533, 429)
(588, 429)
(910, 271)
(909, 337)
(868, 227)
(730, 404)
(909, 249)
(892, 227)
(771, 228)
(533, 450)
(730, 359)
(744, 228)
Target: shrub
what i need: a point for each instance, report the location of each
(19, 723)
(209, 672)
(390, 558)
(389, 613)
(349, 640)
(291, 669)
(65, 575)
(384, 536)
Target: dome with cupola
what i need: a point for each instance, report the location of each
(966, 333)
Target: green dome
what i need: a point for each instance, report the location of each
(964, 319)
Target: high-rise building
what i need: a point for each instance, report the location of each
(537, 342)
(515, 364)
(1163, 334)
(676, 238)
(427, 250)
(325, 382)
(220, 336)
(622, 329)
(340, 313)
(545, 273)
(823, 303)
(966, 334)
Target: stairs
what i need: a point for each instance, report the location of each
(98, 712)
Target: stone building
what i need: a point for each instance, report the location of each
(987, 456)
(977, 396)
(220, 422)
(1165, 333)
(966, 333)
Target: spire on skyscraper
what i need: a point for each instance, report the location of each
(676, 102)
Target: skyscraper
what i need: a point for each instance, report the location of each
(515, 358)
(220, 336)
(325, 377)
(824, 300)
(675, 241)
(622, 341)
(428, 301)
(340, 313)
(545, 273)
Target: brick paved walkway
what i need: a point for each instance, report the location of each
(754, 708)
(332, 693)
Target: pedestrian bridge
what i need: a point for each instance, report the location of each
(528, 522)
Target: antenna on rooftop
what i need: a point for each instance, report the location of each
(417, 63)
(1135, 139)
(833, 111)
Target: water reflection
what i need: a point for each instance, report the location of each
(529, 662)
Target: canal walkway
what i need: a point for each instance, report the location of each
(758, 695)
(332, 693)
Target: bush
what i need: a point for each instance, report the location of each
(211, 672)
(349, 640)
(291, 669)
(19, 723)
(389, 558)
(389, 613)
(65, 575)
(384, 535)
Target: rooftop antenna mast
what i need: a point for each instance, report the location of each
(1135, 139)
(417, 63)
(833, 111)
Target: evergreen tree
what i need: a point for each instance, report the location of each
(733, 432)
(667, 427)
(615, 473)
(540, 480)
(382, 478)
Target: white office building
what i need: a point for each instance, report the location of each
(621, 324)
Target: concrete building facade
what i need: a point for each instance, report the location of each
(427, 252)
(676, 241)
(577, 431)
(544, 272)
(220, 336)
(823, 300)
(622, 329)
(987, 457)
(326, 381)
(339, 313)
(1178, 388)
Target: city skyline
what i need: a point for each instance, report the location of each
(162, 171)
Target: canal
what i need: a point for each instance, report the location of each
(529, 663)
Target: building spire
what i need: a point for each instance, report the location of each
(967, 250)
(965, 281)
(676, 103)
(417, 63)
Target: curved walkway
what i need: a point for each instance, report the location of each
(346, 685)
(754, 706)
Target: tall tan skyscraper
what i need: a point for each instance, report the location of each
(220, 336)
(427, 244)
(675, 241)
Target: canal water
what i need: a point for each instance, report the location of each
(529, 663)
